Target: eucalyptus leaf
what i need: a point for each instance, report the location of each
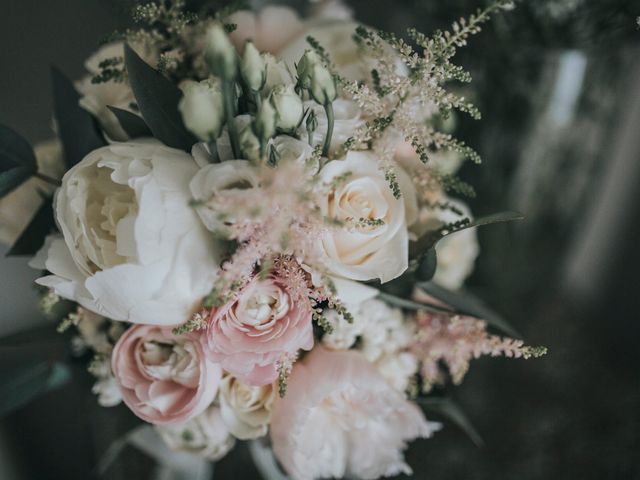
(467, 304)
(411, 305)
(26, 382)
(78, 130)
(17, 160)
(157, 98)
(32, 238)
(430, 239)
(426, 267)
(448, 409)
(133, 125)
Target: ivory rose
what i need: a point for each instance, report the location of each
(205, 435)
(252, 332)
(246, 409)
(341, 419)
(361, 192)
(229, 177)
(133, 248)
(164, 378)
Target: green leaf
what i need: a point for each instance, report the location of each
(17, 160)
(157, 98)
(32, 238)
(77, 129)
(448, 409)
(411, 305)
(430, 239)
(426, 268)
(133, 125)
(467, 304)
(26, 382)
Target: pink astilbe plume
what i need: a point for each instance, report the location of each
(455, 341)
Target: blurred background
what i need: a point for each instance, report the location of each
(558, 83)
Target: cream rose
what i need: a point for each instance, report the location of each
(360, 193)
(18, 207)
(205, 435)
(133, 248)
(246, 409)
(229, 177)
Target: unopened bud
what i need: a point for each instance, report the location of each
(323, 85)
(249, 144)
(252, 67)
(288, 107)
(220, 54)
(202, 109)
(305, 68)
(264, 125)
(312, 122)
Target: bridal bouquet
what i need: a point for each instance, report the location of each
(252, 229)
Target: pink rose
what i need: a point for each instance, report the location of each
(164, 378)
(251, 333)
(341, 419)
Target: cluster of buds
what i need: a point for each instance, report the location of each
(314, 76)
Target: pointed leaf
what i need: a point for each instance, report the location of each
(426, 268)
(26, 382)
(157, 99)
(447, 408)
(77, 129)
(17, 160)
(467, 304)
(32, 238)
(429, 240)
(411, 305)
(133, 125)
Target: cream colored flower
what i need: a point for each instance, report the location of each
(206, 435)
(18, 208)
(246, 409)
(377, 243)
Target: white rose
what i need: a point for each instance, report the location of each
(290, 149)
(457, 252)
(205, 435)
(375, 251)
(288, 106)
(18, 207)
(230, 176)
(277, 72)
(133, 248)
(346, 120)
(246, 409)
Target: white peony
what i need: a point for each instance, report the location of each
(133, 248)
(205, 435)
(246, 409)
(359, 191)
(340, 418)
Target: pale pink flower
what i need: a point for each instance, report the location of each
(164, 378)
(264, 322)
(340, 418)
(270, 29)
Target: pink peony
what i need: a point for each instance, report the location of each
(340, 418)
(250, 334)
(164, 378)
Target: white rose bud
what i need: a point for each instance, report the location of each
(323, 85)
(288, 106)
(249, 144)
(305, 68)
(253, 68)
(202, 109)
(264, 125)
(220, 54)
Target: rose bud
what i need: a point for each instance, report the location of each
(252, 67)
(288, 106)
(202, 109)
